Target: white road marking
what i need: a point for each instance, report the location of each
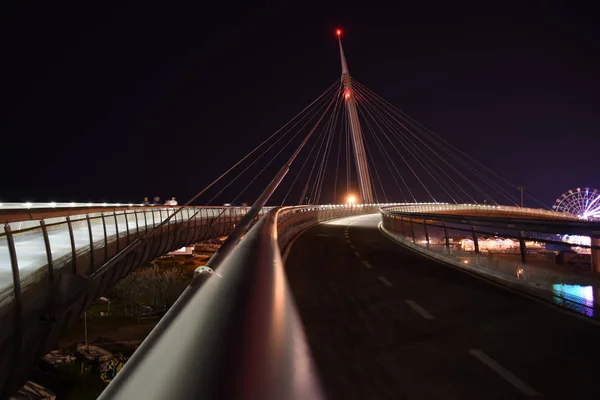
(503, 372)
(352, 246)
(385, 281)
(367, 264)
(357, 254)
(419, 309)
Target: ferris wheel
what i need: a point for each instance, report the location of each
(583, 202)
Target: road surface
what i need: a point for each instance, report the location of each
(386, 323)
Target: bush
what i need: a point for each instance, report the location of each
(155, 285)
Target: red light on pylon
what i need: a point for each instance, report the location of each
(338, 32)
(347, 94)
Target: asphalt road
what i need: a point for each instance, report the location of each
(386, 323)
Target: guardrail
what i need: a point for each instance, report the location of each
(238, 334)
(483, 209)
(53, 269)
(53, 242)
(72, 204)
(517, 247)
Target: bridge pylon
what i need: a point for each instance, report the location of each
(360, 156)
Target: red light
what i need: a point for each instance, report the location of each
(347, 94)
(338, 32)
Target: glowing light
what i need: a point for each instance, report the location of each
(466, 261)
(585, 203)
(581, 298)
(53, 204)
(347, 94)
(338, 32)
(351, 199)
(28, 205)
(520, 272)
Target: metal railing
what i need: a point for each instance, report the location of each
(236, 335)
(483, 209)
(58, 240)
(523, 249)
(53, 269)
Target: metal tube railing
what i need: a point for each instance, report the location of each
(235, 335)
(531, 236)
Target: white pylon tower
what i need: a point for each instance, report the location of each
(360, 157)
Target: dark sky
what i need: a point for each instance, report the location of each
(114, 103)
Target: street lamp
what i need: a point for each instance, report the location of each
(351, 200)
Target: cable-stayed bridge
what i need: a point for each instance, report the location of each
(370, 189)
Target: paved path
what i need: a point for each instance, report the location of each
(31, 250)
(385, 323)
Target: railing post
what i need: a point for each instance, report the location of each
(595, 243)
(426, 232)
(412, 229)
(402, 226)
(73, 252)
(446, 238)
(117, 231)
(523, 250)
(127, 226)
(145, 222)
(105, 238)
(522, 247)
(89, 224)
(153, 219)
(48, 252)
(51, 290)
(475, 244)
(18, 305)
(137, 224)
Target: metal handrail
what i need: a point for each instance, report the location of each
(401, 223)
(238, 337)
(69, 283)
(238, 334)
(488, 209)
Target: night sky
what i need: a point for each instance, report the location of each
(114, 103)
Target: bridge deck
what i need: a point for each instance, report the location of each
(384, 322)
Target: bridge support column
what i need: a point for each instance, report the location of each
(426, 232)
(412, 229)
(595, 242)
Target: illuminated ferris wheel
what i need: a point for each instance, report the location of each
(583, 202)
